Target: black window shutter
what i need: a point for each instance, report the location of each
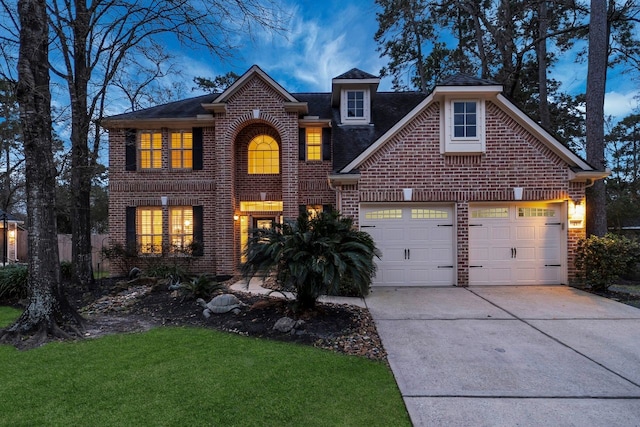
(302, 143)
(302, 209)
(198, 235)
(130, 150)
(327, 208)
(130, 227)
(326, 143)
(197, 149)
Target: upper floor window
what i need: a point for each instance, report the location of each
(149, 230)
(465, 119)
(150, 150)
(314, 143)
(355, 106)
(355, 103)
(463, 124)
(180, 227)
(181, 150)
(264, 155)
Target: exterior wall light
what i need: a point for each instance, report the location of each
(407, 194)
(577, 213)
(517, 193)
(236, 217)
(164, 200)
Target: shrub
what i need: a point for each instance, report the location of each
(201, 286)
(66, 269)
(13, 282)
(601, 260)
(312, 257)
(171, 262)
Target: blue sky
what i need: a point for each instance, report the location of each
(327, 38)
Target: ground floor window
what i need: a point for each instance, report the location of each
(181, 227)
(149, 230)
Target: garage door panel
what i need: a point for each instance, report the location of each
(414, 241)
(516, 244)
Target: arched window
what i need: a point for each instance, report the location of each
(264, 155)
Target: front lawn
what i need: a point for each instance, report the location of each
(190, 376)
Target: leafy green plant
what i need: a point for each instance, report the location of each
(601, 260)
(13, 282)
(201, 286)
(66, 269)
(313, 257)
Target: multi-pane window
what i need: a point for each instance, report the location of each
(314, 143)
(150, 150)
(314, 211)
(181, 150)
(465, 119)
(355, 104)
(264, 155)
(180, 227)
(149, 230)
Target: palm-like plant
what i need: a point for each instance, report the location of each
(312, 257)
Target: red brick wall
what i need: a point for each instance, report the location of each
(224, 180)
(513, 158)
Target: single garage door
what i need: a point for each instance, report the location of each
(416, 242)
(517, 244)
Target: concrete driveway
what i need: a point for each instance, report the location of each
(511, 356)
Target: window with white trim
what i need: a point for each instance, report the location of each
(463, 124)
(355, 108)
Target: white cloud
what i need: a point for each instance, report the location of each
(620, 105)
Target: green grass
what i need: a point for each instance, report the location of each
(195, 377)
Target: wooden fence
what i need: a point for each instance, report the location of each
(98, 241)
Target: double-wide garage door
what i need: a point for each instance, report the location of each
(509, 244)
(416, 244)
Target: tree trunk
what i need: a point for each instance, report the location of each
(81, 165)
(541, 54)
(48, 307)
(596, 80)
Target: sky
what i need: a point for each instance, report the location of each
(328, 37)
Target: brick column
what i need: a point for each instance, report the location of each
(462, 242)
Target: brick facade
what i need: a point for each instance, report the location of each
(412, 158)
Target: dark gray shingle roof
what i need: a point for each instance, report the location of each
(388, 108)
(186, 108)
(466, 80)
(355, 74)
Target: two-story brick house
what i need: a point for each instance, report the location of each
(457, 187)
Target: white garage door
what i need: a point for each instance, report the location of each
(416, 242)
(516, 244)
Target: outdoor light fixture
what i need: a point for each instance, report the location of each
(256, 114)
(517, 193)
(407, 194)
(164, 200)
(263, 196)
(577, 213)
(236, 217)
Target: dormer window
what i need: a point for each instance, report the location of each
(355, 107)
(355, 104)
(463, 126)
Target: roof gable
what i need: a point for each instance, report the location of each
(219, 104)
(464, 85)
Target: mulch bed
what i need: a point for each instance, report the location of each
(341, 328)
